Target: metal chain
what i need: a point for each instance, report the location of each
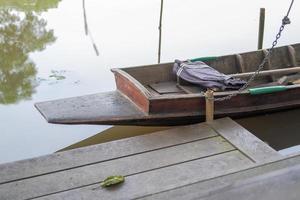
(285, 21)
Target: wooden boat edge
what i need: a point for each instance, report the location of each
(179, 118)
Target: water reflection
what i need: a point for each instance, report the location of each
(87, 29)
(22, 31)
(29, 5)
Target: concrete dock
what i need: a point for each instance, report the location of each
(210, 161)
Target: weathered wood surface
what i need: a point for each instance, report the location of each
(166, 88)
(132, 89)
(190, 89)
(268, 65)
(104, 107)
(152, 164)
(272, 181)
(126, 166)
(292, 55)
(165, 110)
(163, 179)
(245, 141)
(100, 153)
(278, 185)
(150, 74)
(209, 106)
(240, 64)
(282, 71)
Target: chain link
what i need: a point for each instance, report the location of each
(285, 21)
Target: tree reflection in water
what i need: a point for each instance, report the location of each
(22, 31)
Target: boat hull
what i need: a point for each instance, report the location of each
(113, 108)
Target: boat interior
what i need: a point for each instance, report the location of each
(159, 80)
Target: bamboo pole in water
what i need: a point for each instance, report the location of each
(87, 30)
(84, 18)
(160, 29)
(261, 28)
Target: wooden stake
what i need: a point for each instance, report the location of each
(209, 107)
(261, 28)
(84, 17)
(160, 29)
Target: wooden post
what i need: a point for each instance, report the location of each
(209, 107)
(261, 28)
(160, 29)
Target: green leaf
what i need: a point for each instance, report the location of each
(112, 180)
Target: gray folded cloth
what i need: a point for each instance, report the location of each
(205, 76)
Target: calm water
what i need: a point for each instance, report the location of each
(46, 54)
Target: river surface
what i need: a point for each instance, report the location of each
(53, 49)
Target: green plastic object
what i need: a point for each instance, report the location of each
(266, 90)
(204, 59)
(112, 180)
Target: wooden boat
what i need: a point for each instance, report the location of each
(150, 95)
